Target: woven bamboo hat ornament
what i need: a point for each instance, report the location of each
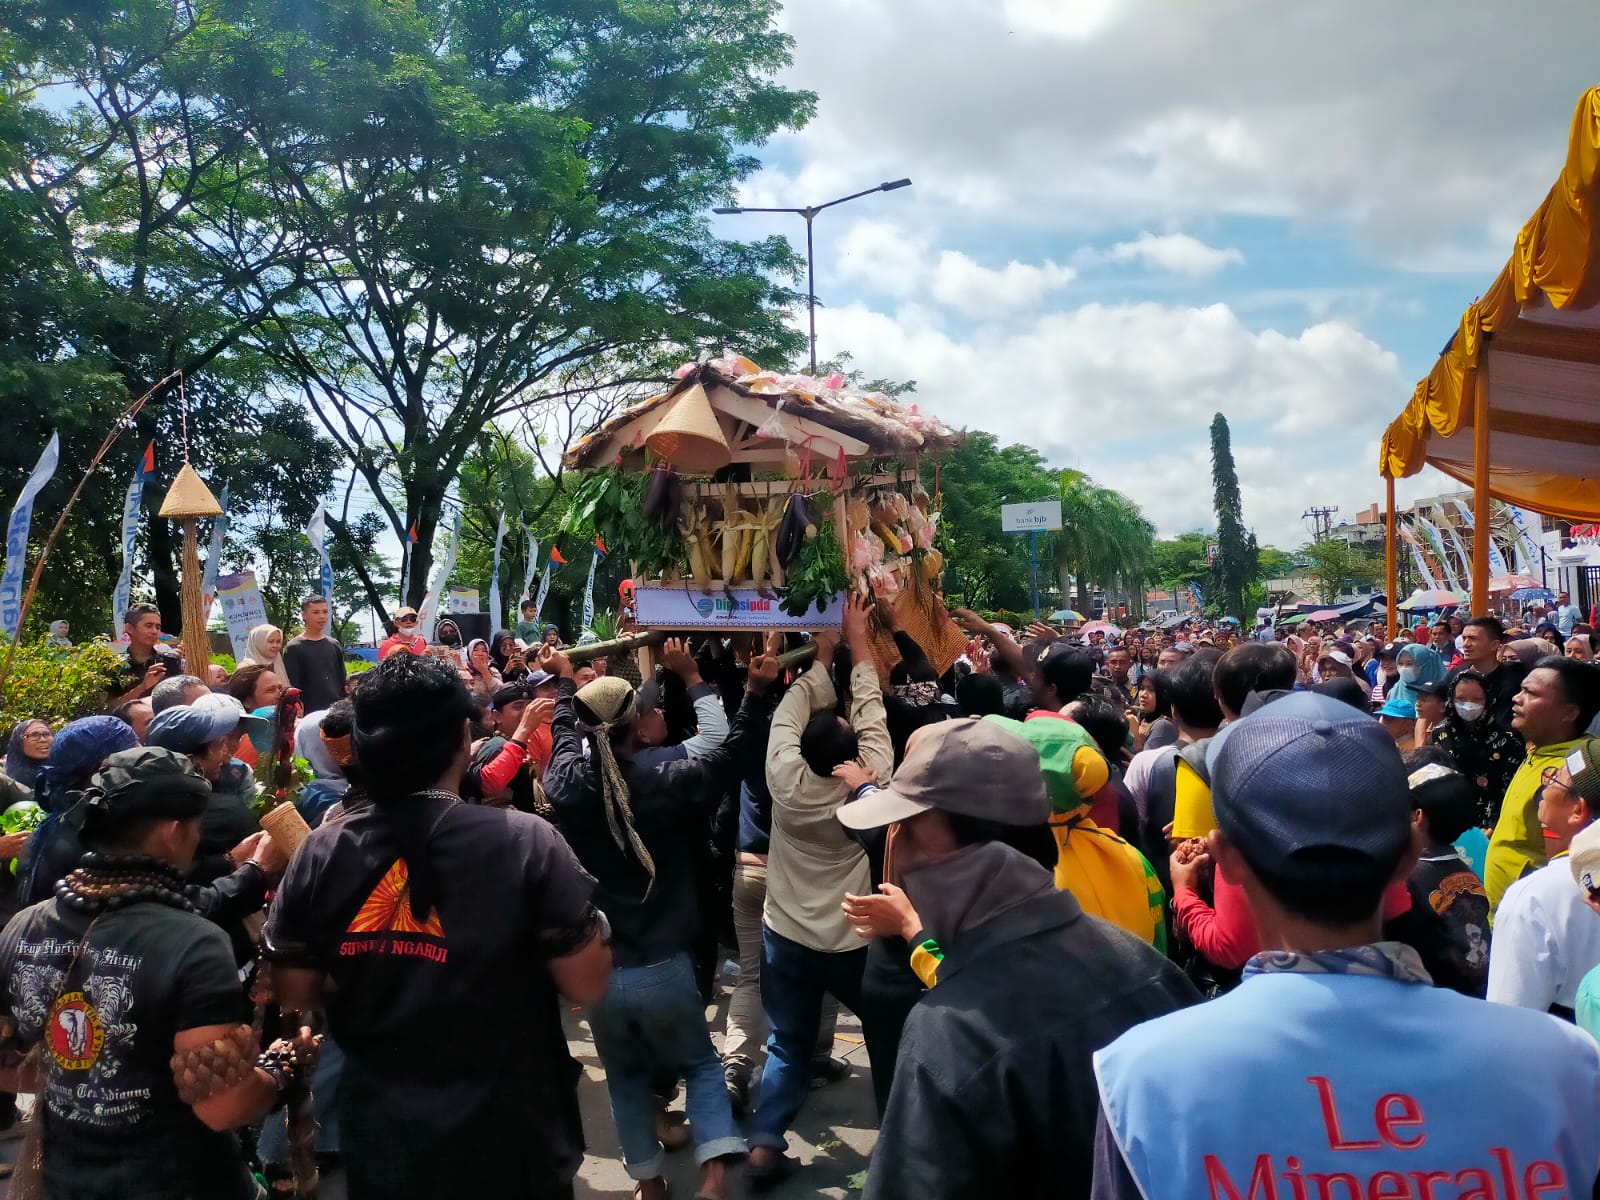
(189, 497)
(689, 435)
(187, 500)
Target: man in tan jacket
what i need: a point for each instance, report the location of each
(808, 948)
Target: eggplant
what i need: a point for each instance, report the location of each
(663, 497)
(791, 534)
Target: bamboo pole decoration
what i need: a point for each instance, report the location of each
(123, 421)
(187, 501)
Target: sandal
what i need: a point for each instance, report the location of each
(764, 1179)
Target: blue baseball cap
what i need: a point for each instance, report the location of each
(186, 728)
(1307, 788)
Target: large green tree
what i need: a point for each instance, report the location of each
(508, 201)
(1105, 540)
(1234, 567)
(1340, 567)
(133, 245)
(986, 568)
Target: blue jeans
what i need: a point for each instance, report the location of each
(794, 979)
(654, 1016)
(273, 1146)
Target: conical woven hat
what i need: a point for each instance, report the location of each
(689, 436)
(189, 497)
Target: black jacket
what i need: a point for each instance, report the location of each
(672, 799)
(994, 1091)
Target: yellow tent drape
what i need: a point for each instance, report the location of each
(1552, 257)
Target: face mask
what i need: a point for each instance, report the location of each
(1469, 712)
(1408, 674)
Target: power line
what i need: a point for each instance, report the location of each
(1321, 521)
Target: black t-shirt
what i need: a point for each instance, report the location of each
(317, 669)
(457, 1078)
(1448, 923)
(129, 674)
(114, 1127)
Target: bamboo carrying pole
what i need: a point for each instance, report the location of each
(583, 654)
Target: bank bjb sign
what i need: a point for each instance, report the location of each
(1041, 516)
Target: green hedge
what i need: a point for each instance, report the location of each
(56, 684)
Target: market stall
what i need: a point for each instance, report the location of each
(751, 500)
(1512, 407)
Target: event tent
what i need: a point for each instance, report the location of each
(1512, 407)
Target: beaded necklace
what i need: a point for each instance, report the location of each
(107, 881)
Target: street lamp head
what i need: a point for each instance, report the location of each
(898, 183)
(727, 212)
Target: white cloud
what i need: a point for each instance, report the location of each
(1175, 252)
(1127, 393)
(890, 260)
(962, 284)
(1070, 114)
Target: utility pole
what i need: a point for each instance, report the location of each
(1321, 521)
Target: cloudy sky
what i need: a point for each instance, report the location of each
(1128, 215)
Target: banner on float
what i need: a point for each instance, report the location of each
(17, 537)
(742, 608)
(463, 600)
(241, 608)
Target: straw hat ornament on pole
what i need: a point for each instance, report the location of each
(187, 501)
(689, 435)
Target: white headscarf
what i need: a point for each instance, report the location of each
(256, 651)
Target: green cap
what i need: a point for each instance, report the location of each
(1057, 741)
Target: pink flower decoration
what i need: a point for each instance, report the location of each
(835, 381)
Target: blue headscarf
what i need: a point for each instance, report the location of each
(1430, 667)
(76, 754)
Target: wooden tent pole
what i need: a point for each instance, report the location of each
(1481, 514)
(1391, 574)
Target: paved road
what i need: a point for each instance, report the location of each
(834, 1138)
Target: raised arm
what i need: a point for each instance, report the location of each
(811, 693)
(867, 715)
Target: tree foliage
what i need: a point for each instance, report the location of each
(508, 206)
(1340, 567)
(1234, 567)
(1105, 539)
(985, 568)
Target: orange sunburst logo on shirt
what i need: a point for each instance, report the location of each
(388, 909)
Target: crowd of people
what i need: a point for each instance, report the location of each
(1140, 913)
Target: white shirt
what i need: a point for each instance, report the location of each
(1546, 939)
(1567, 616)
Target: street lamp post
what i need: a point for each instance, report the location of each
(810, 215)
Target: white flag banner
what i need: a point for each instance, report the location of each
(219, 533)
(131, 502)
(533, 563)
(496, 613)
(17, 537)
(441, 576)
(317, 533)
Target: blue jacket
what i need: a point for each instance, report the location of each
(1376, 1084)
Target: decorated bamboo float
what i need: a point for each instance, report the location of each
(749, 500)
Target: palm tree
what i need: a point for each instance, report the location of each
(1104, 539)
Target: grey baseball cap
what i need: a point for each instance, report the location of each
(971, 766)
(1308, 788)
